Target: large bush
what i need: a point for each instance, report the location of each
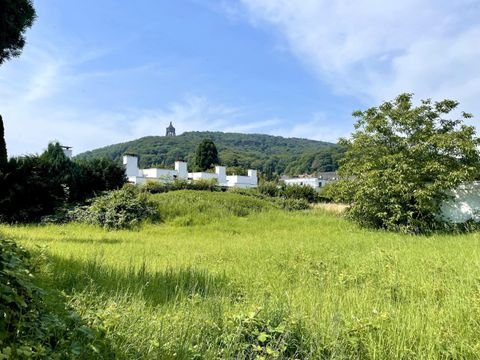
(119, 209)
(300, 192)
(402, 160)
(269, 188)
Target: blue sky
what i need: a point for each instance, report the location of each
(95, 73)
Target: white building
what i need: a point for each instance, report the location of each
(67, 150)
(314, 182)
(140, 176)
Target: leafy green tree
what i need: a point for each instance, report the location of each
(401, 160)
(16, 16)
(55, 156)
(3, 146)
(82, 179)
(206, 155)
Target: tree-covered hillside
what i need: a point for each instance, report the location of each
(272, 155)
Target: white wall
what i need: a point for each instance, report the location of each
(139, 176)
(131, 165)
(68, 152)
(181, 168)
(202, 175)
(312, 182)
(241, 181)
(221, 172)
(160, 174)
(465, 204)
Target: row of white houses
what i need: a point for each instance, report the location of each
(463, 206)
(139, 176)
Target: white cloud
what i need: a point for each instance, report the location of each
(375, 50)
(320, 126)
(39, 104)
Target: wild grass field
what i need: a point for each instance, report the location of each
(225, 276)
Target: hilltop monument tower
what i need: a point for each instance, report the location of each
(170, 130)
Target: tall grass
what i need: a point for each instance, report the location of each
(240, 279)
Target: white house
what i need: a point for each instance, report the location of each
(315, 182)
(140, 176)
(312, 182)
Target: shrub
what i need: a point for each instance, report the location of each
(269, 188)
(298, 192)
(119, 209)
(326, 194)
(157, 187)
(203, 184)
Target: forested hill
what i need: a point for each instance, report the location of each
(272, 155)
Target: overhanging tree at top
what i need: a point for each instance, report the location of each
(16, 16)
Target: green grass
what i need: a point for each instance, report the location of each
(241, 279)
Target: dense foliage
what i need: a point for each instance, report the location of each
(271, 155)
(29, 190)
(3, 146)
(97, 176)
(30, 326)
(32, 187)
(402, 160)
(321, 160)
(16, 16)
(119, 209)
(206, 155)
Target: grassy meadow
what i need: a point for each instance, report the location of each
(226, 276)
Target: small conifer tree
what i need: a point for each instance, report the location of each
(3, 145)
(206, 155)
